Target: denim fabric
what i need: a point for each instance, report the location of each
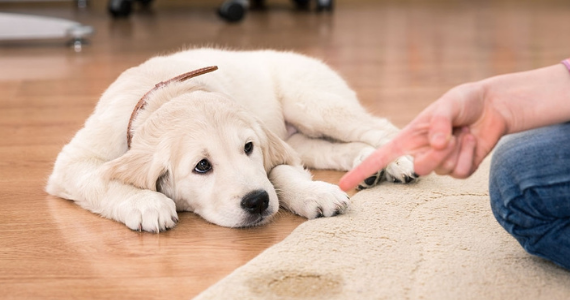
(529, 187)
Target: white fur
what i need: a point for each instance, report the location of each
(262, 97)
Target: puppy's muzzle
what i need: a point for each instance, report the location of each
(255, 202)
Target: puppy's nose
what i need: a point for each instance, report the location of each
(255, 202)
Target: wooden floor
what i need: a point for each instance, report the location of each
(398, 55)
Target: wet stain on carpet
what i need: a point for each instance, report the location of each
(295, 284)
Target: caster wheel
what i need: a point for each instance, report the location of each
(302, 4)
(325, 5)
(257, 4)
(232, 11)
(120, 8)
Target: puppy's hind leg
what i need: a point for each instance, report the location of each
(320, 104)
(329, 155)
(325, 115)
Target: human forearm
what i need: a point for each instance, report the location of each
(530, 99)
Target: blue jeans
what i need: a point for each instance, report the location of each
(529, 187)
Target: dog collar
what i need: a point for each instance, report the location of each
(142, 102)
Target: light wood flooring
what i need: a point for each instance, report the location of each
(398, 55)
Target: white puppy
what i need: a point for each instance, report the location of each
(228, 145)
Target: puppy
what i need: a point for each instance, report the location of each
(229, 145)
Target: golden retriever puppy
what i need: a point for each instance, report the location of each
(229, 145)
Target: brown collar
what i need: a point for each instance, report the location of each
(142, 102)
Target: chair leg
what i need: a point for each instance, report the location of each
(233, 10)
(325, 5)
(120, 8)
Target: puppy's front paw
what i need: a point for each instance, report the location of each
(319, 199)
(149, 211)
(401, 170)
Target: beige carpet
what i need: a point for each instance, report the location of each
(436, 239)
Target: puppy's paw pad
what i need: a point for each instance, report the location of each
(372, 181)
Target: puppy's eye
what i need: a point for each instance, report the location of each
(203, 166)
(248, 148)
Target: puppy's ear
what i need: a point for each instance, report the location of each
(139, 168)
(276, 151)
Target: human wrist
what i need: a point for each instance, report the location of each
(496, 97)
(530, 99)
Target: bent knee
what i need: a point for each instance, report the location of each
(540, 228)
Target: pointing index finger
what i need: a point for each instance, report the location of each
(376, 161)
(404, 143)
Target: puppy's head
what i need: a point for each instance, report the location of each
(207, 154)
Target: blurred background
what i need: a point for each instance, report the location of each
(395, 52)
(412, 42)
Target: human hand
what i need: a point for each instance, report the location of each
(452, 136)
